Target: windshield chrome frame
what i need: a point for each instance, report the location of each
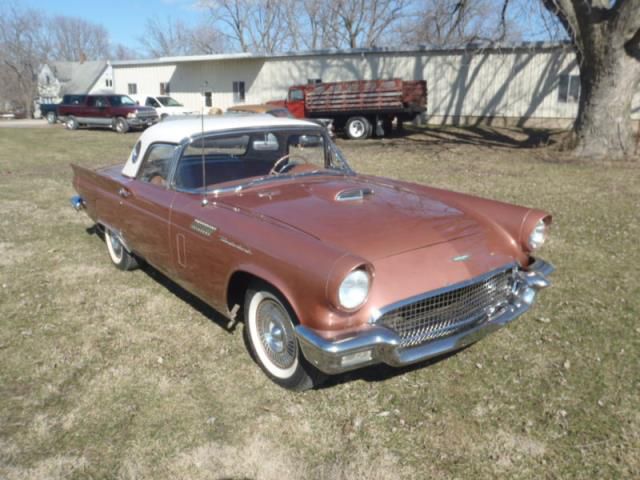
(329, 146)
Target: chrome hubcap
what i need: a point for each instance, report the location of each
(116, 246)
(357, 128)
(276, 333)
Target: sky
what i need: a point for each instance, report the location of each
(124, 19)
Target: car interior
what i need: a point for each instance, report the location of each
(230, 159)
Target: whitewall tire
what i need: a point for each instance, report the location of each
(270, 334)
(122, 259)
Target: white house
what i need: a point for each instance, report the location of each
(56, 79)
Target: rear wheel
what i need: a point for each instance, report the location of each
(269, 330)
(122, 259)
(358, 128)
(121, 125)
(72, 123)
(52, 118)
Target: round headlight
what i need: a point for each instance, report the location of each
(538, 235)
(354, 289)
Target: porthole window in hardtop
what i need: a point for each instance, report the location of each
(135, 152)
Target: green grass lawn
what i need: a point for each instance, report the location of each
(107, 374)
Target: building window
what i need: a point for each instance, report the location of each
(108, 83)
(48, 80)
(164, 88)
(238, 91)
(313, 81)
(569, 89)
(208, 102)
(133, 88)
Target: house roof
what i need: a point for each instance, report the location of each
(76, 77)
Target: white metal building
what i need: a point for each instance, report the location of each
(524, 84)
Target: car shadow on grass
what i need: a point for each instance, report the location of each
(383, 372)
(187, 297)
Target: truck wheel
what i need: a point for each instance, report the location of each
(122, 259)
(52, 118)
(121, 125)
(72, 123)
(271, 338)
(358, 128)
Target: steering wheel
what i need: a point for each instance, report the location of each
(286, 160)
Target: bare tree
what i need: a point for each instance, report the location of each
(122, 52)
(23, 48)
(310, 24)
(74, 39)
(455, 23)
(172, 37)
(606, 38)
(254, 25)
(365, 23)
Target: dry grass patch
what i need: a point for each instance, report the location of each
(107, 374)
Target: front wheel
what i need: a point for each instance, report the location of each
(271, 337)
(72, 123)
(358, 128)
(121, 125)
(52, 118)
(122, 259)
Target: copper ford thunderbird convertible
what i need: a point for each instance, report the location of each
(263, 219)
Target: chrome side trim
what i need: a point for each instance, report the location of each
(202, 228)
(384, 344)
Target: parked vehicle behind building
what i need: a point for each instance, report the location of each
(164, 105)
(361, 107)
(118, 112)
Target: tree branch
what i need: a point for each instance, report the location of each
(627, 19)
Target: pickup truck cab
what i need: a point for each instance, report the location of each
(118, 112)
(49, 111)
(164, 105)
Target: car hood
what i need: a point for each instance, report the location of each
(386, 221)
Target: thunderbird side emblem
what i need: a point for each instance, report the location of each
(461, 258)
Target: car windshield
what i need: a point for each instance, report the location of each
(235, 161)
(169, 102)
(119, 100)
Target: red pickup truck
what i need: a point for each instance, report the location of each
(118, 112)
(360, 107)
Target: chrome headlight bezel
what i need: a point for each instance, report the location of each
(354, 289)
(538, 235)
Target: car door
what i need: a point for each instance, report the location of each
(201, 231)
(96, 109)
(295, 102)
(146, 202)
(153, 103)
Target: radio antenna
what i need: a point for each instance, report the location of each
(204, 176)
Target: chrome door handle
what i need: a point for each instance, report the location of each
(124, 193)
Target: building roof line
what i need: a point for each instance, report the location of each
(471, 47)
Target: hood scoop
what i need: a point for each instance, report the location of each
(353, 194)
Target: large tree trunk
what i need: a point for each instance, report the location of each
(606, 38)
(609, 79)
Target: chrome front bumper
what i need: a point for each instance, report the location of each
(377, 344)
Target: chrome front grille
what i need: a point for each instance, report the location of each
(452, 311)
